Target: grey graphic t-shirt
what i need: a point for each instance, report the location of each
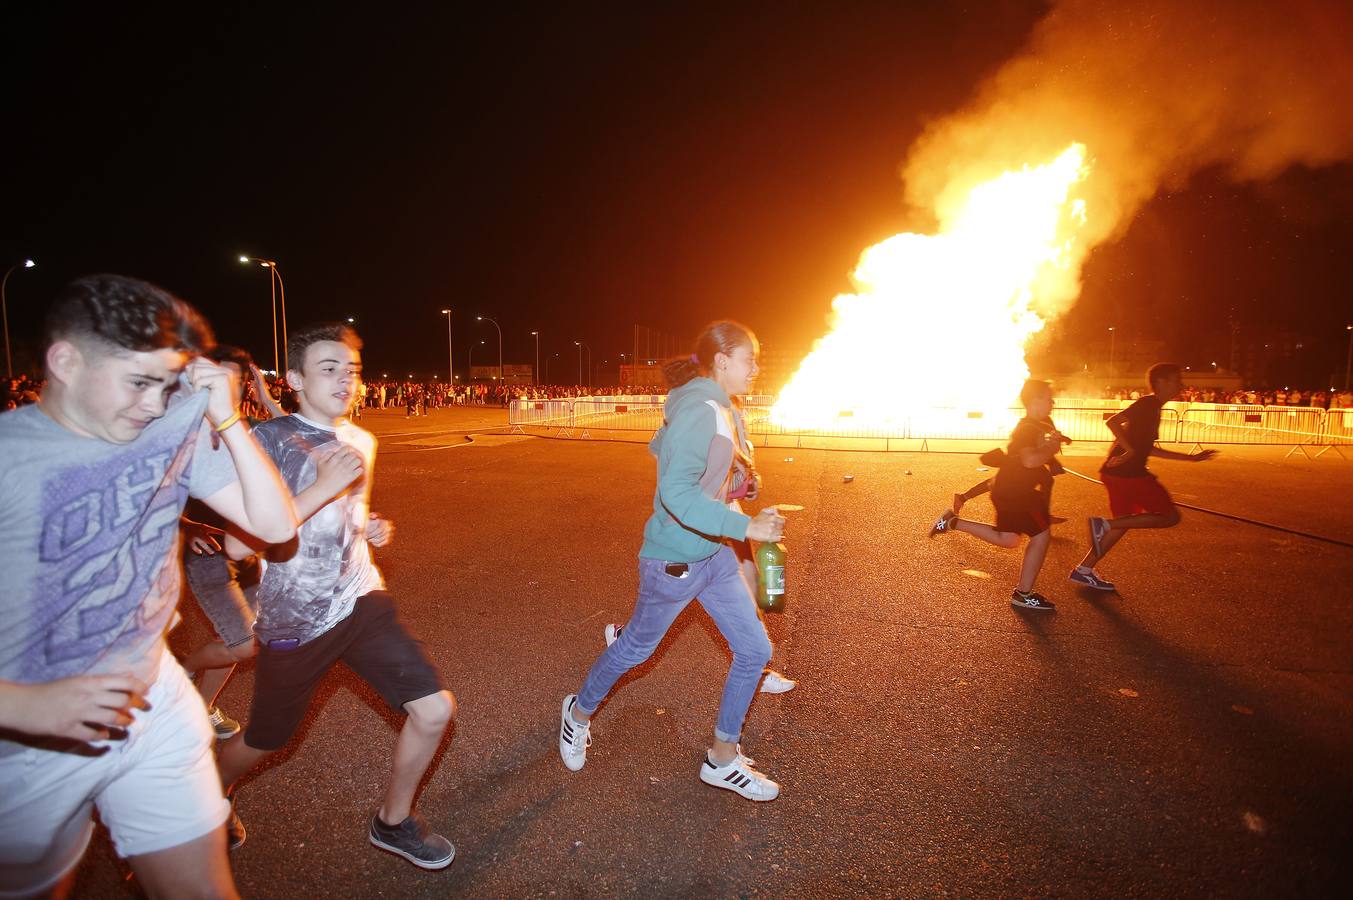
(312, 583)
(89, 537)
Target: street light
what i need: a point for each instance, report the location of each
(1112, 335)
(277, 286)
(450, 354)
(481, 343)
(4, 309)
(500, 345)
(580, 345)
(535, 375)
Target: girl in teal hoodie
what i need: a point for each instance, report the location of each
(685, 555)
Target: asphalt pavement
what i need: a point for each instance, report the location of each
(1187, 736)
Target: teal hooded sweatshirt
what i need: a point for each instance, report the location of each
(697, 465)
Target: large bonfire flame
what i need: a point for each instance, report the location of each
(941, 321)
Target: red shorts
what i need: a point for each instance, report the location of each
(1133, 496)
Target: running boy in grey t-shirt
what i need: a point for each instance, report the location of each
(93, 710)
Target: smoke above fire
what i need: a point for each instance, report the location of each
(1157, 90)
(1111, 103)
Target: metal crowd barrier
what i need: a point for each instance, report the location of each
(637, 417)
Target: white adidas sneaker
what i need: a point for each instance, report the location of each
(739, 776)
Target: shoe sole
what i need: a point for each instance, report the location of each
(420, 863)
(226, 735)
(1097, 587)
(737, 790)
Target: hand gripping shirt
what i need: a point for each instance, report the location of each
(89, 540)
(312, 583)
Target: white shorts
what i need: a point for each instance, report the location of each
(156, 789)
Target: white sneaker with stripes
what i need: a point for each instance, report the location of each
(739, 776)
(574, 739)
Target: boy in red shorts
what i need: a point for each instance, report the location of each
(1136, 498)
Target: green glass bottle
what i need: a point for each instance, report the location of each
(770, 572)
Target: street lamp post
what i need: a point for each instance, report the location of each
(277, 285)
(1348, 366)
(547, 368)
(500, 345)
(1113, 334)
(450, 354)
(535, 373)
(580, 345)
(4, 309)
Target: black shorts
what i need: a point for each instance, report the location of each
(374, 644)
(1022, 513)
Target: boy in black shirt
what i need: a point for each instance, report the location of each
(1136, 498)
(1021, 495)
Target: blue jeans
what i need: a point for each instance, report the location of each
(718, 584)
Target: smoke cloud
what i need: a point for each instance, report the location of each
(1157, 90)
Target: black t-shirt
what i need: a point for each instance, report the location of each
(1142, 430)
(1014, 480)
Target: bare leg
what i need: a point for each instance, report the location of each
(972, 493)
(213, 655)
(235, 759)
(1007, 539)
(215, 661)
(418, 741)
(1120, 526)
(722, 752)
(197, 869)
(1033, 559)
(210, 682)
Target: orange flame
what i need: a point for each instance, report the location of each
(942, 320)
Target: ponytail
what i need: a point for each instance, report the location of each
(723, 336)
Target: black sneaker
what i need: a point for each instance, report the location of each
(944, 524)
(1031, 600)
(411, 840)
(235, 832)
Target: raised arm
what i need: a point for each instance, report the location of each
(265, 397)
(258, 502)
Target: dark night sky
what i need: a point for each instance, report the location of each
(571, 171)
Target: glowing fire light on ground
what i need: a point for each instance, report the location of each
(941, 321)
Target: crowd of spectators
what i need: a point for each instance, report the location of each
(1251, 397)
(417, 398)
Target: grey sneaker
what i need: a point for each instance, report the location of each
(224, 726)
(411, 840)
